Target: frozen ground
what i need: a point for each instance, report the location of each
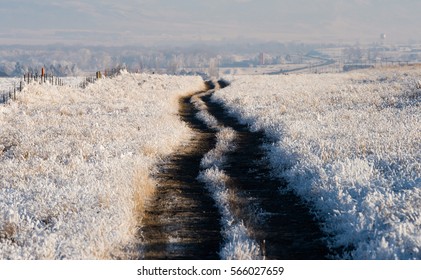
(349, 145)
(75, 164)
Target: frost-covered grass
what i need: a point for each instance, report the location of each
(75, 164)
(238, 245)
(203, 113)
(349, 144)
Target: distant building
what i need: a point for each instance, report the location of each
(262, 58)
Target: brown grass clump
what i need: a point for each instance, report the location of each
(144, 188)
(8, 231)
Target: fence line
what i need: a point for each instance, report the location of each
(7, 95)
(110, 73)
(43, 78)
(10, 94)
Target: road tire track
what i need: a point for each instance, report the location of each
(182, 221)
(279, 221)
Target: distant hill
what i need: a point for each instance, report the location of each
(2, 74)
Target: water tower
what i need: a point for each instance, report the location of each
(382, 38)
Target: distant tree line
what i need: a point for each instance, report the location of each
(66, 61)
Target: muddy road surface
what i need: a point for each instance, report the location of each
(183, 222)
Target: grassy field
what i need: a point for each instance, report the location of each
(76, 165)
(349, 145)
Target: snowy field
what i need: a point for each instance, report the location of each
(349, 145)
(75, 164)
(7, 84)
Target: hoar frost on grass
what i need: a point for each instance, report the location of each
(349, 144)
(75, 164)
(238, 245)
(203, 113)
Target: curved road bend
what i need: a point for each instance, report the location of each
(182, 221)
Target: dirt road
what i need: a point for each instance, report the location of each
(182, 222)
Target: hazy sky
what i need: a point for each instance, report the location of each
(122, 22)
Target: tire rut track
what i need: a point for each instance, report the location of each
(280, 222)
(182, 221)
